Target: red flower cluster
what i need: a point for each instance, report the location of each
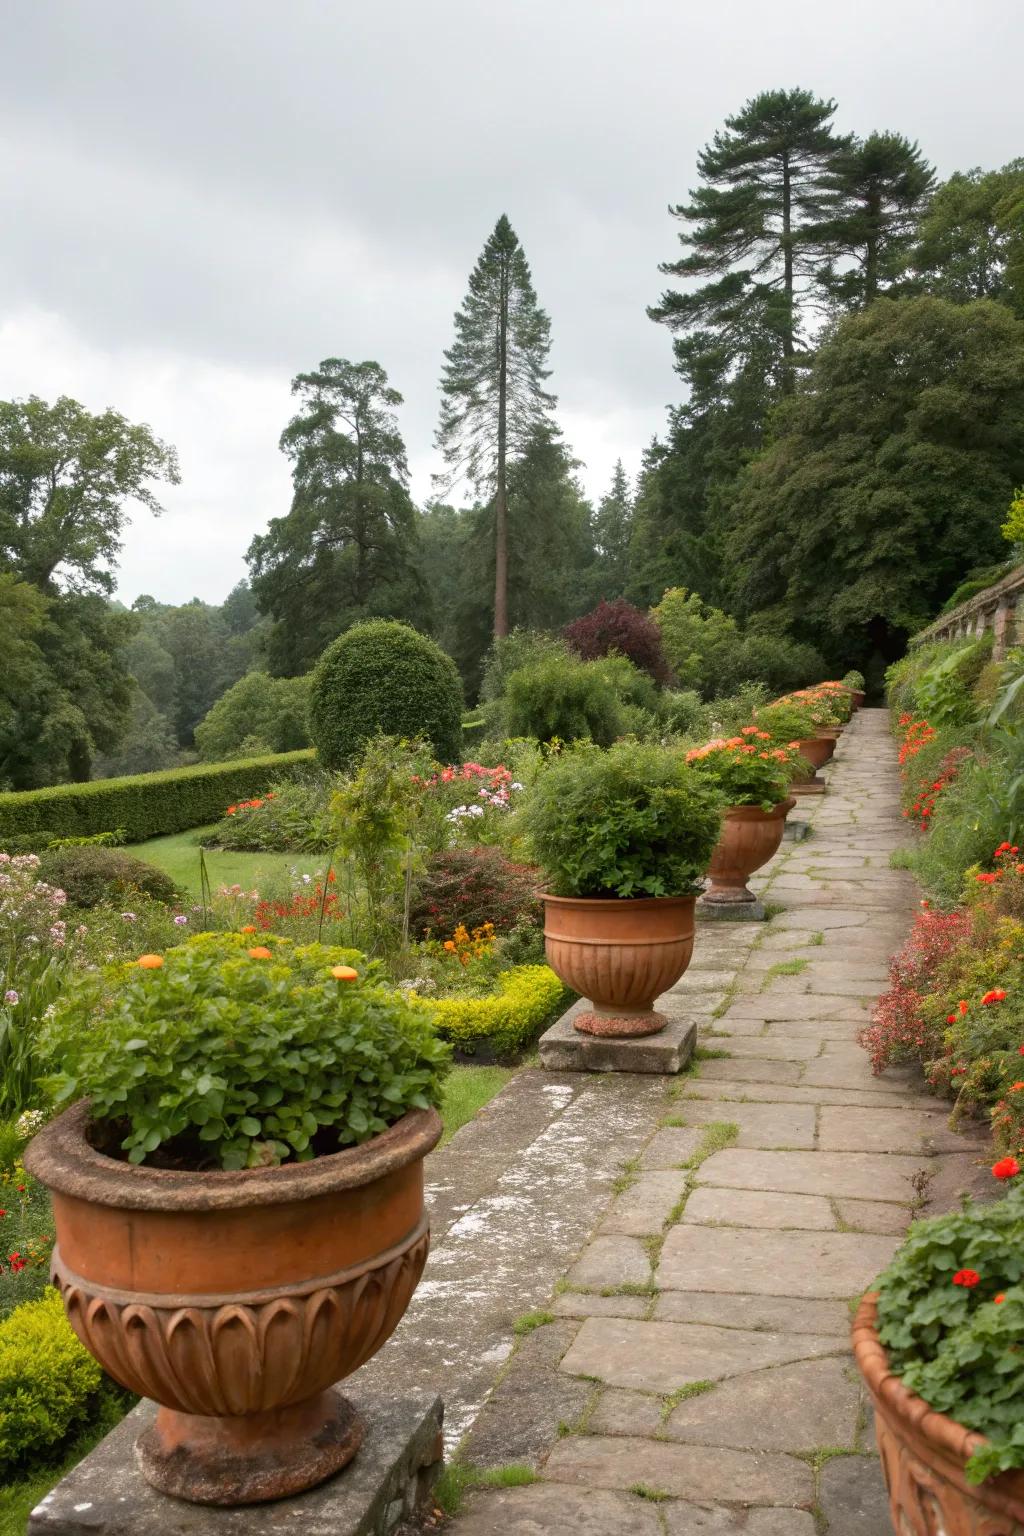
(1006, 1168)
(916, 735)
(307, 901)
(897, 1031)
(968, 1278)
(922, 808)
(248, 805)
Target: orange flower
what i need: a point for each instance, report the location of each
(151, 962)
(260, 952)
(344, 973)
(449, 946)
(249, 928)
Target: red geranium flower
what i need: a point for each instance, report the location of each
(968, 1278)
(1000, 1298)
(1006, 1168)
(996, 995)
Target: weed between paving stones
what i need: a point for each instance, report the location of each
(459, 1478)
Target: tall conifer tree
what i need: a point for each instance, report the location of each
(493, 398)
(752, 229)
(883, 184)
(612, 529)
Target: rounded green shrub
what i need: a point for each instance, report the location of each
(90, 876)
(48, 1381)
(383, 677)
(562, 699)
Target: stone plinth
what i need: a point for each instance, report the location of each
(389, 1481)
(731, 911)
(563, 1048)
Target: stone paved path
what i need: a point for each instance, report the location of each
(694, 1374)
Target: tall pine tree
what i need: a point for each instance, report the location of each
(612, 530)
(883, 184)
(493, 398)
(752, 229)
(347, 548)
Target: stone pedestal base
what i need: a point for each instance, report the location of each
(796, 830)
(564, 1049)
(731, 911)
(813, 786)
(390, 1480)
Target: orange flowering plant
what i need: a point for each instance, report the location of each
(240, 1055)
(747, 769)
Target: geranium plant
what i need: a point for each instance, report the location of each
(746, 769)
(951, 1316)
(635, 820)
(230, 1053)
(785, 721)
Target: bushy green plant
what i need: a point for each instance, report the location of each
(785, 722)
(951, 1315)
(702, 643)
(776, 660)
(854, 680)
(683, 713)
(145, 805)
(504, 1021)
(230, 1053)
(26, 1222)
(509, 653)
(945, 690)
(48, 1380)
(384, 677)
(566, 700)
(473, 886)
(972, 816)
(289, 817)
(258, 708)
(632, 821)
(90, 876)
(746, 769)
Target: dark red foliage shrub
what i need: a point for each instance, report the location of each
(620, 627)
(898, 1032)
(474, 886)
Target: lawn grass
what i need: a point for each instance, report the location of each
(178, 856)
(467, 1090)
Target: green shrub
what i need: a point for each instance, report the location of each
(976, 582)
(951, 1316)
(509, 653)
(383, 677)
(945, 690)
(777, 661)
(506, 1021)
(48, 1381)
(237, 1054)
(559, 698)
(971, 817)
(632, 821)
(289, 817)
(683, 712)
(258, 708)
(89, 876)
(473, 886)
(786, 721)
(854, 680)
(145, 805)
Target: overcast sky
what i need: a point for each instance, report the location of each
(203, 197)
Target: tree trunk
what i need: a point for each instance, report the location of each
(874, 225)
(787, 275)
(501, 490)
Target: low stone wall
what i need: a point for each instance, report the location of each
(994, 609)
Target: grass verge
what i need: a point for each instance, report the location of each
(178, 856)
(466, 1091)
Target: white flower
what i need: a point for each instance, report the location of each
(30, 1121)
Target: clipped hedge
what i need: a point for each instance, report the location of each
(507, 1019)
(48, 1382)
(143, 805)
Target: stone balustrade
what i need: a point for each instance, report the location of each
(995, 609)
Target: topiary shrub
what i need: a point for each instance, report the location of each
(524, 999)
(383, 677)
(474, 886)
(620, 628)
(565, 699)
(48, 1381)
(90, 876)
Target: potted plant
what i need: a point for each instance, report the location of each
(938, 1345)
(790, 723)
(238, 1197)
(854, 681)
(625, 836)
(752, 776)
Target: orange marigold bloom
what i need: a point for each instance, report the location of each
(260, 952)
(151, 962)
(344, 973)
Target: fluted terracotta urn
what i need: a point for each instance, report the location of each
(749, 838)
(816, 750)
(236, 1300)
(857, 698)
(924, 1454)
(620, 955)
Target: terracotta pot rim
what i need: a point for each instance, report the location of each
(915, 1420)
(63, 1159)
(618, 903)
(755, 813)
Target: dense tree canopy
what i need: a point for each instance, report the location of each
(889, 473)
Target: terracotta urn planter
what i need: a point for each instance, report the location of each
(237, 1300)
(924, 1454)
(857, 698)
(750, 837)
(817, 750)
(620, 955)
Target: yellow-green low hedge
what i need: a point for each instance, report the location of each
(506, 1019)
(144, 805)
(48, 1381)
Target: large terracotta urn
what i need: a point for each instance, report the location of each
(816, 750)
(857, 698)
(620, 955)
(924, 1454)
(749, 838)
(237, 1300)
